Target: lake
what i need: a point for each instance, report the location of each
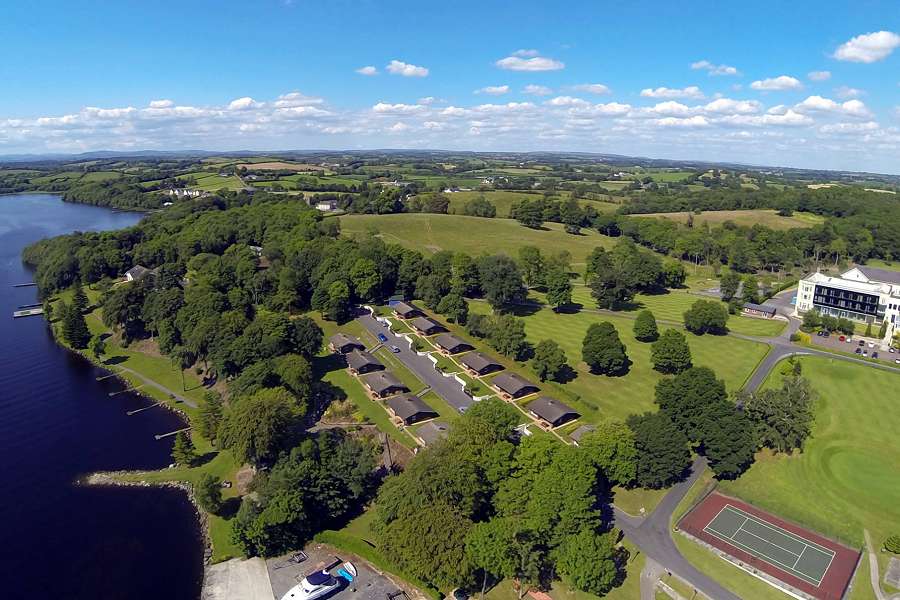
(57, 423)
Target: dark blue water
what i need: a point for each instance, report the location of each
(57, 423)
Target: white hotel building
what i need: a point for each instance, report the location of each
(861, 294)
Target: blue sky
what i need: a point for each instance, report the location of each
(813, 84)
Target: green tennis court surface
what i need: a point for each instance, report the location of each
(772, 544)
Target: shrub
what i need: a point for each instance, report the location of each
(892, 544)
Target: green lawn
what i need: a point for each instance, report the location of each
(732, 359)
(767, 217)
(430, 233)
(503, 200)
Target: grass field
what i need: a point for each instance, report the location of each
(769, 218)
(430, 233)
(732, 359)
(503, 200)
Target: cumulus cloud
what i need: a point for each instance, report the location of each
(294, 99)
(592, 88)
(819, 75)
(493, 90)
(161, 104)
(848, 92)
(688, 122)
(853, 108)
(847, 128)
(782, 82)
(729, 106)
(869, 47)
(529, 60)
(368, 70)
(664, 92)
(714, 69)
(398, 67)
(670, 107)
(393, 109)
(243, 103)
(536, 90)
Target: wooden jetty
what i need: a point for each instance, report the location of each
(137, 410)
(131, 389)
(160, 436)
(36, 304)
(29, 284)
(28, 312)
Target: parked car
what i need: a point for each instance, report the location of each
(865, 352)
(820, 333)
(827, 333)
(897, 360)
(861, 343)
(842, 338)
(395, 349)
(875, 354)
(859, 350)
(382, 337)
(871, 344)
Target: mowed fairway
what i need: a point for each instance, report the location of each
(731, 358)
(430, 233)
(769, 218)
(846, 479)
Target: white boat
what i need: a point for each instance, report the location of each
(315, 585)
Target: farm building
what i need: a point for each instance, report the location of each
(136, 273)
(552, 411)
(410, 409)
(343, 343)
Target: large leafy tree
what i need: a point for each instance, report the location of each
(670, 353)
(507, 336)
(603, 351)
(706, 316)
(501, 281)
(589, 561)
(256, 428)
(504, 549)
(782, 418)
(662, 450)
(688, 396)
(645, 329)
(549, 361)
(532, 265)
(559, 287)
(612, 448)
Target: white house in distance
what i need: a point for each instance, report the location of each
(862, 294)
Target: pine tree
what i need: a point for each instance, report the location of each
(79, 298)
(645, 329)
(74, 328)
(210, 415)
(183, 452)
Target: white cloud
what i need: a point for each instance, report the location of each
(526, 53)
(243, 103)
(782, 82)
(493, 90)
(782, 118)
(427, 100)
(294, 99)
(398, 127)
(518, 62)
(663, 92)
(397, 67)
(689, 122)
(592, 88)
(848, 92)
(368, 70)
(819, 75)
(869, 47)
(853, 108)
(670, 108)
(161, 104)
(729, 106)
(567, 101)
(394, 109)
(713, 69)
(848, 128)
(536, 90)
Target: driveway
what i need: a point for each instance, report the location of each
(421, 366)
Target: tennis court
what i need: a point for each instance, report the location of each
(791, 557)
(797, 556)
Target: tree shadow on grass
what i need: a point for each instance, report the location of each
(204, 458)
(329, 363)
(115, 360)
(570, 308)
(566, 375)
(524, 310)
(229, 507)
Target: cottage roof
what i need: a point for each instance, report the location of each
(406, 406)
(451, 343)
(512, 383)
(357, 359)
(383, 381)
(550, 410)
(477, 361)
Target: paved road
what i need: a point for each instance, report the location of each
(446, 388)
(652, 535)
(149, 382)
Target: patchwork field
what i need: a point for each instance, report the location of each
(731, 358)
(431, 233)
(767, 217)
(280, 166)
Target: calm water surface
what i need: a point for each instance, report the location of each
(58, 423)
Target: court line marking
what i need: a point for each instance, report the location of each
(757, 554)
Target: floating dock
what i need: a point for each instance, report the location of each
(30, 284)
(28, 312)
(31, 305)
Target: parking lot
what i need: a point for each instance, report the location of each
(368, 584)
(865, 351)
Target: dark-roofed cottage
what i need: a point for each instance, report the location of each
(432, 432)
(403, 310)
(513, 385)
(450, 344)
(426, 326)
(480, 363)
(758, 310)
(136, 273)
(361, 362)
(581, 432)
(552, 411)
(383, 384)
(410, 409)
(343, 343)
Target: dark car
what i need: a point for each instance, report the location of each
(875, 354)
(820, 333)
(827, 333)
(382, 337)
(861, 343)
(859, 350)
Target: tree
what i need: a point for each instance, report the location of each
(549, 360)
(79, 298)
(662, 450)
(706, 316)
(750, 290)
(688, 397)
(811, 320)
(782, 418)
(728, 440)
(673, 275)
(603, 351)
(181, 359)
(528, 213)
(671, 353)
(337, 306)
(532, 265)
(505, 549)
(611, 447)
(211, 412)
(98, 346)
(183, 452)
(454, 306)
(501, 281)
(588, 561)
(571, 216)
(209, 493)
(305, 337)
(366, 280)
(559, 287)
(480, 207)
(507, 336)
(256, 427)
(645, 329)
(74, 328)
(729, 283)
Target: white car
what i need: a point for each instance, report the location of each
(315, 585)
(871, 344)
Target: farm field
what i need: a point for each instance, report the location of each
(503, 200)
(731, 358)
(845, 479)
(431, 233)
(277, 165)
(767, 217)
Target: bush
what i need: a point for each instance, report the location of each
(892, 544)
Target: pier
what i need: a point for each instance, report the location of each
(131, 389)
(160, 436)
(29, 284)
(28, 312)
(137, 410)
